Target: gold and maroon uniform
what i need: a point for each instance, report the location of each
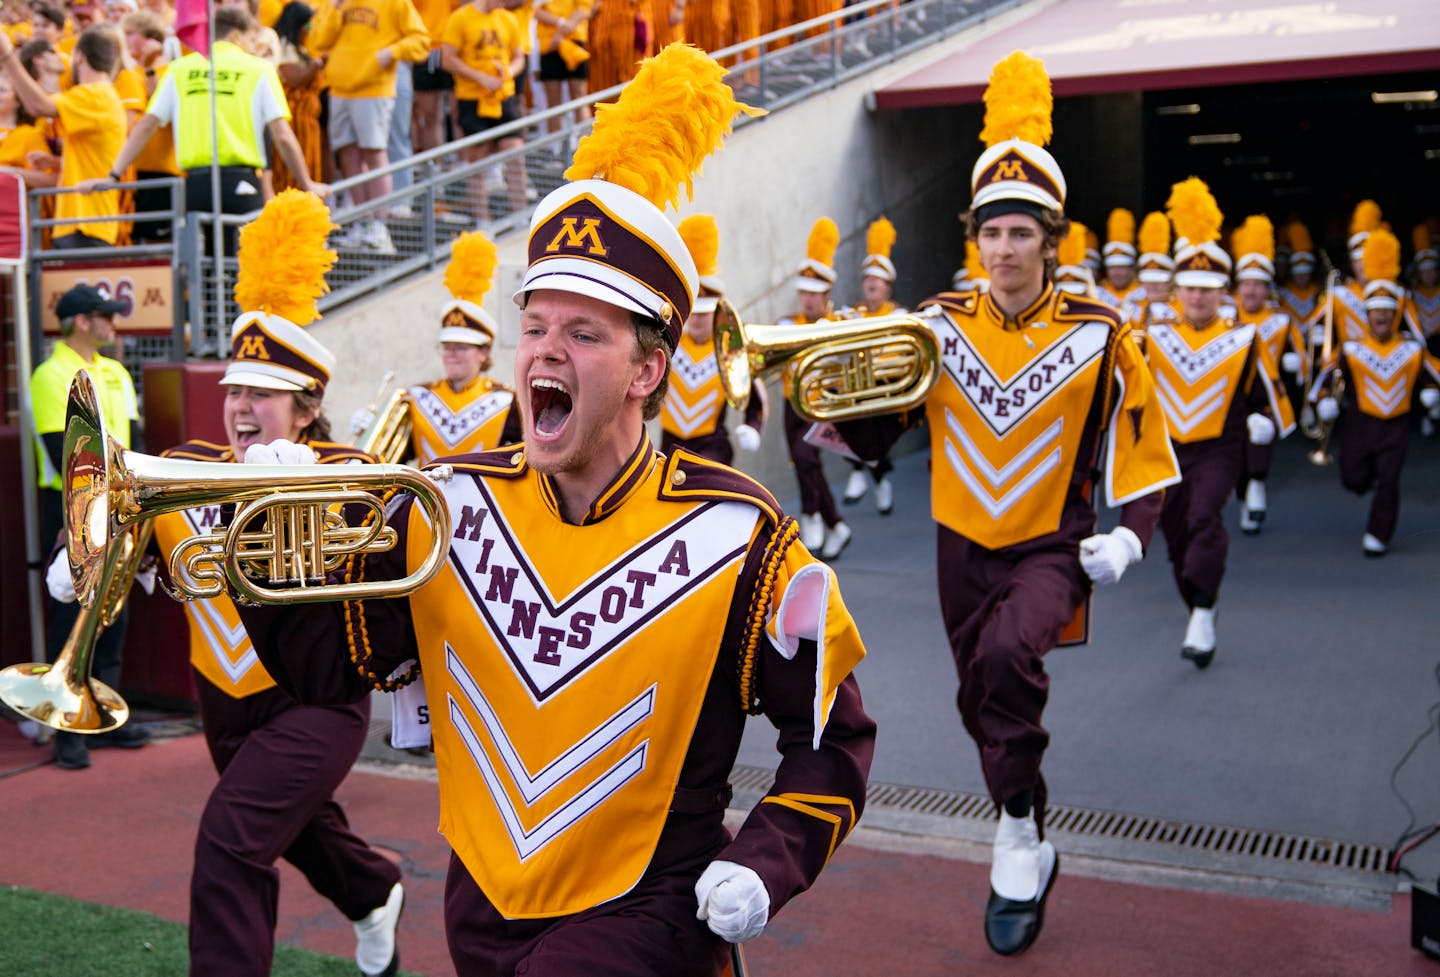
(1027, 414)
(693, 414)
(279, 763)
(446, 421)
(1280, 335)
(1304, 303)
(1425, 304)
(583, 762)
(1117, 297)
(1382, 382)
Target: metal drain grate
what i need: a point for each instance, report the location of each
(1111, 824)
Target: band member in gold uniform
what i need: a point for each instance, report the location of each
(1119, 256)
(608, 615)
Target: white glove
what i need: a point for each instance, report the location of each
(361, 420)
(58, 580)
(1105, 556)
(1327, 409)
(1290, 361)
(1430, 398)
(733, 901)
(749, 438)
(1262, 429)
(280, 452)
(145, 577)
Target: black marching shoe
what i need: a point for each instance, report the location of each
(71, 752)
(127, 737)
(1199, 644)
(1012, 925)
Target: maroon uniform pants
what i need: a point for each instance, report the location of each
(809, 470)
(1372, 455)
(714, 446)
(1003, 611)
(1192, 517)
(279, 764)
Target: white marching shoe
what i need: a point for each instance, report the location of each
(884, 496)
(837, 537)
(1199, 646)
(376, 953)
(1022, 872)
(855, 487)
(812, 531)
(1372, 546)
(1252, 513)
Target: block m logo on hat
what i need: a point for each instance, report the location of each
(585, 237)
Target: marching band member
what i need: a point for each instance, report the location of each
(279, 761)
(1218, 388)
(1093, 260)
(1383, 374)
(970, 277)
(1119, 257)
(873, 437)
(820, 524)
(1154, 299)
(693, 416)
(580, 561)
(1300, 294)
(1254, 246)
(1425, 301)
(1038, 390)
(1072, 275)
(1350, 322)
(465, 410)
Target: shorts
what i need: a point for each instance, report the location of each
(467, 109)
(363, 122)
(430, 77)
(553, 68)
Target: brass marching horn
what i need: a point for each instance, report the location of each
(832, 370)
(388, 436)
(1316, 429)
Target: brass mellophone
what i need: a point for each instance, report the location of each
(388, 436)
(832, 370)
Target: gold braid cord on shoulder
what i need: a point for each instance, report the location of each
(356, 633)
(760, 602)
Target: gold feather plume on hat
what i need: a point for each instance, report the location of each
(1072, 246)
(654, 137)
(1380, 258)
(824, 239)
(473, 260)
(1155, 233)
(1018, 101)
(880, 238)
(1420, 237)
(1092, 240)
(1365, 218)
(1255, 236)
(1194, 212)
(974, 270)
(1299, 237)
(702, 238)
(1120, 226)
(283, 258)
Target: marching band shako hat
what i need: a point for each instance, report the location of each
(1016, 174)
(1302, 247)
(1380, 258)
(468, 277)
(1425, 254)
(1120, 238)
(972, 277)
(879, 239)
(283, 262)
(1155, 263)
(1200, 262)
(817, 271)
(1093, 258)
(702, 239)
(1071, 275)
(1254, 245)
(1364, 219)
(604, 235)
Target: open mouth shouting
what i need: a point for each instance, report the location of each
(246, 434)
(550, 407)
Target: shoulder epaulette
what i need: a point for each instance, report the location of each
(966, 302)
(1073, 307)
(334, 453)
(690, 478)
(198, 451)
(506, 462)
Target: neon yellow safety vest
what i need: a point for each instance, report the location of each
(50, 396)
(248, 95)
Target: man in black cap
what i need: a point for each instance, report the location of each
(87, 325)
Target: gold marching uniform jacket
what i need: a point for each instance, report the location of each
(571, 661)
(451, 422)
(1016, 401)
(1278, 331)
(1303, 303)
(1200, 372)
(695, 402)
(1116, 297)
(1383, 377)
(220, 648)
(1426, 304)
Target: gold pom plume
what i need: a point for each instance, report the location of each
(824, 239)
(1365, 218)
(1380, 258)
(654, 137)
(1194, 212)
(702, 238)
(472, 267)
(1420, 238)
(283, 258)
(1120, 226)
(1299, 237)
(974, 270)
(880, 238)
(1255, 236)
(1018, 101)
(1072, 246)
(1155, 233)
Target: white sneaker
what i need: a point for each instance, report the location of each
(884, 496)
(402, 211)
(856, 487)
(812, 531)
(375, 950)
(1015, 858)
(376, 236)
(836, 539)
(1372, 546)
(349, 236)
